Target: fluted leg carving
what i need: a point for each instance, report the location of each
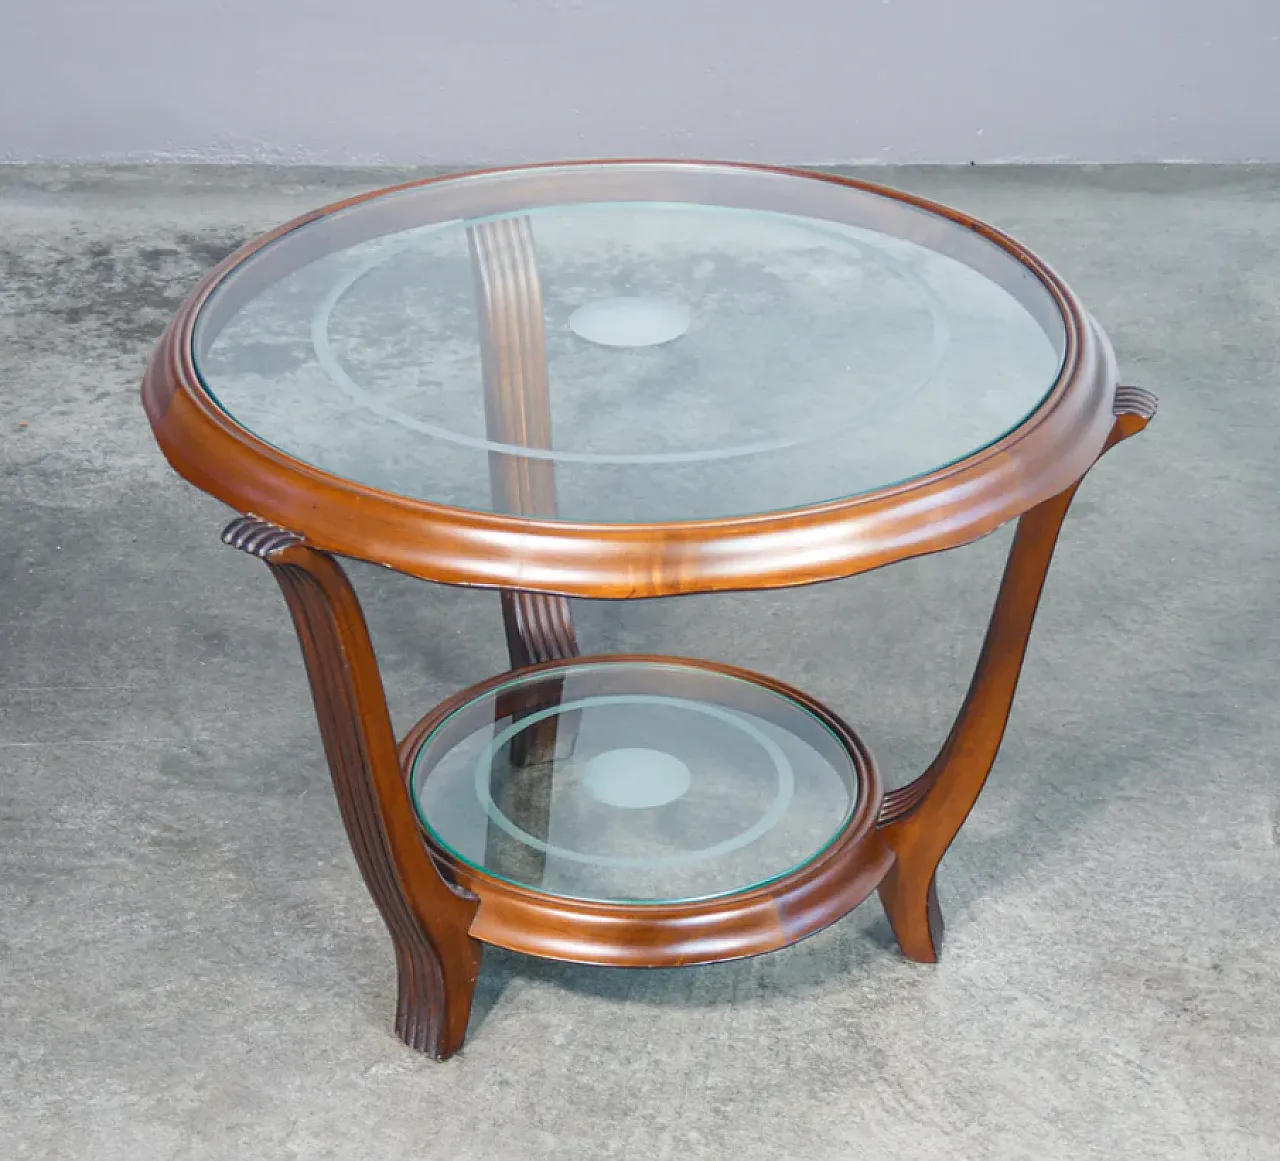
(437, 961)
(518, 414)
(919, 821)
(517, 400)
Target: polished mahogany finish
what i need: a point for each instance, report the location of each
(440, 910)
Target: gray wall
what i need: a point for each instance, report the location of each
(425, 81)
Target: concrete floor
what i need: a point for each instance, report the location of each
(189, 965)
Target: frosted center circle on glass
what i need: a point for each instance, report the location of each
(636, 778)
(630, 322)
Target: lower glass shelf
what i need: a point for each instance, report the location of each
(637, 781)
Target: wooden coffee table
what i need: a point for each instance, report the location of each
(616, 380)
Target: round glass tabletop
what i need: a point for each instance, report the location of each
(630, 343)
(634, 781)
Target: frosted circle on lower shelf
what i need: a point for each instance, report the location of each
(636, 778)
(630, 322)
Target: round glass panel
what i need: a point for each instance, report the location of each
(651, 343)
(641, 782)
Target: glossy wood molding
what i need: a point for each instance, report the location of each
(1046, 454)
(920, 820)
(670, 935)
(437, 961)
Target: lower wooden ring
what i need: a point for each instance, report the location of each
(732, 926)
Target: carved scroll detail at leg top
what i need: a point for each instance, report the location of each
(257, 537)
(1135, 401)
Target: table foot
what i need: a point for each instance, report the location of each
(920, 820)
(429, 918)
(913, 913)
(433, 1004)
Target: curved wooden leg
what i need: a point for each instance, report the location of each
(539, 627)
(429, 920)
(919, 821)
(517, 408)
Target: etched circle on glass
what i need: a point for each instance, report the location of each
(636, 778)
(635, 794)
(630, 322)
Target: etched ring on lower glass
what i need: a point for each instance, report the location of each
(634, 781)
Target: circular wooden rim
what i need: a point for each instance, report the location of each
(763, 918)
(1049, 451)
